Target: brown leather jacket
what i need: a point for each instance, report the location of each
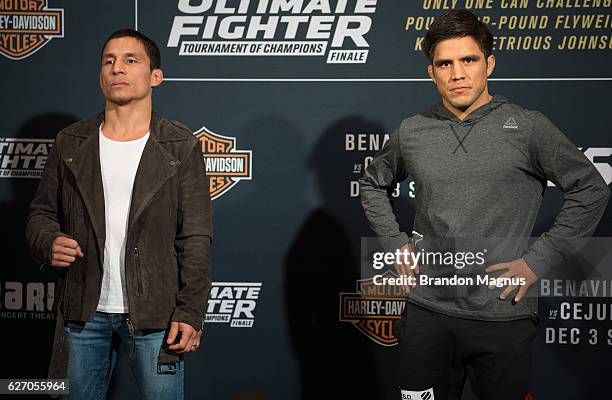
(169, 234)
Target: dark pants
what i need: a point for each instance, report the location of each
(439, 352)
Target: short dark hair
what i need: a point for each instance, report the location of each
(457, 24)
(149, 45)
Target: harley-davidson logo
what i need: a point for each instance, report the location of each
(225, 166)
(373, 308)
(27, 25)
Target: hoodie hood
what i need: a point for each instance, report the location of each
(440, 112)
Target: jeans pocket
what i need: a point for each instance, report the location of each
(168, 368)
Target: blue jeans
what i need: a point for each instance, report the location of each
(93, 348)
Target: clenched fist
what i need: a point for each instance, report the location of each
(64, 251)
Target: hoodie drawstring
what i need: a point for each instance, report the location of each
(460, 141)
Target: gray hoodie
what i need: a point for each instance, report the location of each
(479, 184)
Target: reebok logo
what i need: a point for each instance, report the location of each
(511, 124)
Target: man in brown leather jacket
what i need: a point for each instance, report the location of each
(123, 210)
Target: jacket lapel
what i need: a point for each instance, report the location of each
(155, 168)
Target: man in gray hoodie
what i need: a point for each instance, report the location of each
(480, 166)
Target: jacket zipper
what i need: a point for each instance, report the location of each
(137, 265)
(130, 325)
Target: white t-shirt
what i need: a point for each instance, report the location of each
(119, 162)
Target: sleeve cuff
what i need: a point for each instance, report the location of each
(187, 318)
(392, 243)
(537, 264)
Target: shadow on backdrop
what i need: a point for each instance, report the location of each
(324, 260)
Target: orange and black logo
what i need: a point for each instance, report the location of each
(373, 308)
(27, 25)
(225, 165)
